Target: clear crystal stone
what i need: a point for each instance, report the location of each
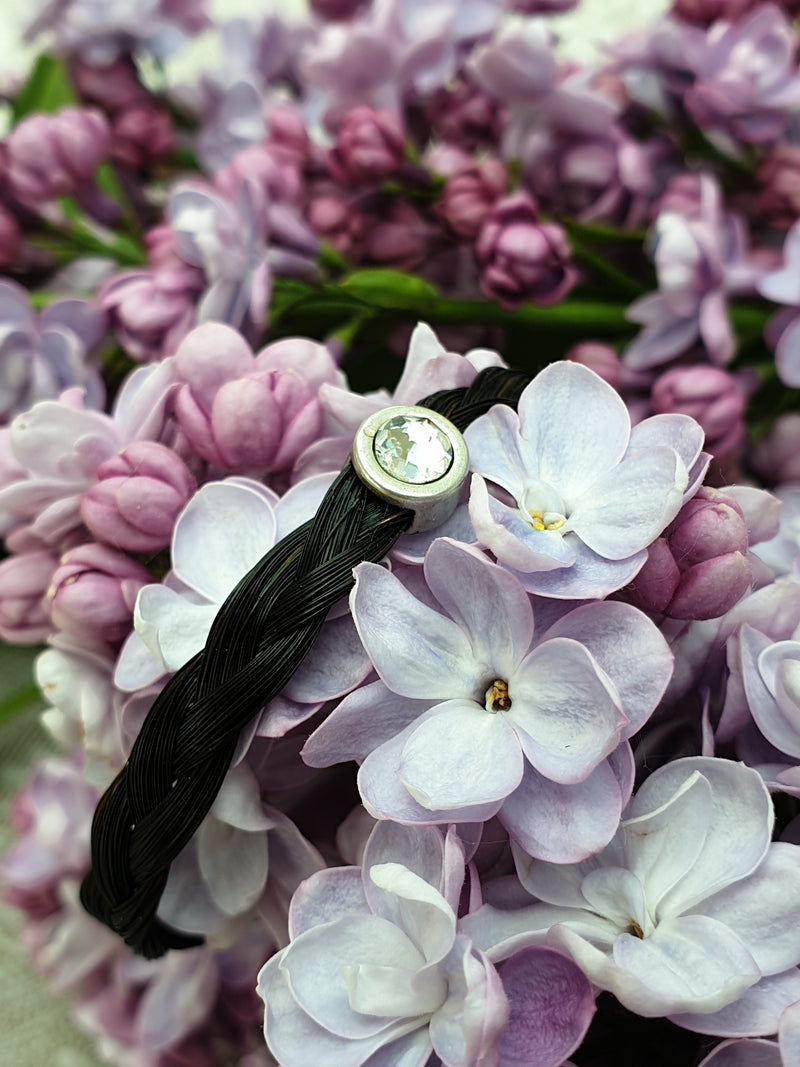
(412, 449)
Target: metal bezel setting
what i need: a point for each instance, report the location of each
(432, 502)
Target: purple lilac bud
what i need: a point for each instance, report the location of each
(23, 581)
(272, 173)
(712, 396)
(369, 147)
(777, 456)
(699, 568)
(339, 223)
(152, 310)
(465, 116)
(93, 592)
(336, 10)
(600, 358)
(395, 237)
(138, 497)
(778, 202)
(111, 87)
(142, 134)
(53, 155)
(245, 413)
(704, 12)
(10, 240)
(523, 260)
(288, 137)
(541, 7)
(469, 196)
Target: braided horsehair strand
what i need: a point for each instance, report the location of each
(257, 641)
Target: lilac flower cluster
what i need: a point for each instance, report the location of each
(531, 796)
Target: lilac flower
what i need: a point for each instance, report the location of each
(153, 308)
(172, 620)
(677, 915)
(137, 498)
(700, 259)
(43, 355)
(369, 147)
(518, 68)
(470, 194)
(523, 260)
(783, 331)
(58, 447)
(705, 12)
(99, 30)
(699, 568)
(600, 177)
(84, 707)
(24, 579)
(247, 413)
(755, 1052)
(588, 494)
(469, 720)
(377, 967)
(245, 855)
(397, 47)
(768, 668)
(55, 155)
(712, 396)
(228, 242)
(746, 80)
(92, 593)
(778, 175)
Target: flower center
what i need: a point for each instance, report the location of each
(551, 520)
(542, 507)
(497, 698)
(635, 929)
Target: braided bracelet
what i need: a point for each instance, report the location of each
(184, 749)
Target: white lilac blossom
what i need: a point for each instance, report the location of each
(769, 671)
(757, 1052)
(586, 493)
(244, 856)
(41, 356)
(377, 972)
(98, 30)
(701, 258)
(222, 533)
(689, 912)
(471, 719)
(783, 332)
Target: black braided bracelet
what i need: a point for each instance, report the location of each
(184, 749)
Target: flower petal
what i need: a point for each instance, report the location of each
(416, 651)
(460, 755)
(565, 712)
(628, 508)
(575, 425)
(563, 823)
(485, 601)
(222, 532)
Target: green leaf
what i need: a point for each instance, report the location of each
(390, 289)
(47, 89)
(22, 699)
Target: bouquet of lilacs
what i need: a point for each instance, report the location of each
(531, 798)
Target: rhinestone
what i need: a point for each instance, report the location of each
(412, 449)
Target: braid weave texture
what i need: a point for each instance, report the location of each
(256, 643)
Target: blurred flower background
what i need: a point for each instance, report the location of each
(614, 606)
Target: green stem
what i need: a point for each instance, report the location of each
(621, 281)
(80, 238)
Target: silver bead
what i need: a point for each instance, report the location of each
(415, 458)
